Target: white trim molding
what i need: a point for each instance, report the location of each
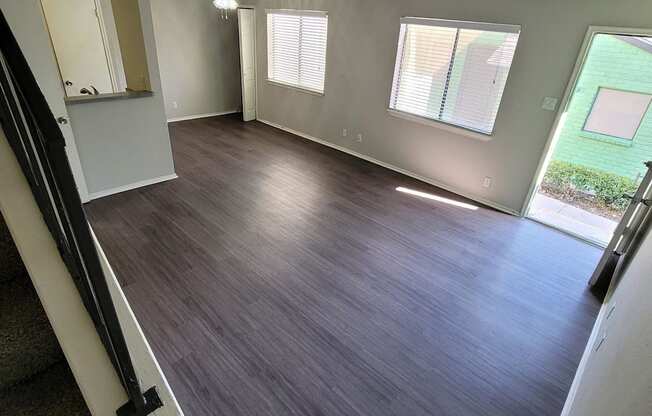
(129, 187)
(295, 12)
(461, 24)
(581, 367)
(147, 368)
(295, 87)
(389, 166)
(196, 116)
(462, 131)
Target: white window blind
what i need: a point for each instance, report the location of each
(617, 113)
(452, 71)
(296, 48)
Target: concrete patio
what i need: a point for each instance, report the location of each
(572, 219)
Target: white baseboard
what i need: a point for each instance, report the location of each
(147, 368)
(590, 345)
(196, 116)
(430, 181)
(129, 187)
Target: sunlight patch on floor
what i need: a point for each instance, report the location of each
(436, 198)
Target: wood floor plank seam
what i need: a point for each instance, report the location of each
(277, 276)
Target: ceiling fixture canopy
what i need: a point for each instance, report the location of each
(224, 6)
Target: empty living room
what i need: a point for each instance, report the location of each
(325, 207)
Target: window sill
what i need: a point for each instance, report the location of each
(617, 141)
(107, 97)
(441, 125)
(296, 88)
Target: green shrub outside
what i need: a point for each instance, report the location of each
(607, 188)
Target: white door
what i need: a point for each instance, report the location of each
(28, 25)
(76, 35)
(247, 28)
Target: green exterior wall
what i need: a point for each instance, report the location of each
(611, 63)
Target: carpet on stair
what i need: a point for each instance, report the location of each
(28, 342)
(52, 392)
(11, 265)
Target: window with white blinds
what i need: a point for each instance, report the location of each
(452, 71)
(296, 48)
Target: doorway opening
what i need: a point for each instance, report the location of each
(596, 156)
(85, 37)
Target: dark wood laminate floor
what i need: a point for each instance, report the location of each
(280, 277)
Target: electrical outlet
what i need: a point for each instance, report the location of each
(600, 341)
(174, 104)
(345, 132)
(358, 138)
(486, 183)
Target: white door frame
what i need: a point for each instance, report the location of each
(563, 107)
(48, 76)
(244, 6)
(109, 34)
(99, 7)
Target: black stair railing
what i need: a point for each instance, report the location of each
(39, 146)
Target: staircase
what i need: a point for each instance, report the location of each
(35, 379)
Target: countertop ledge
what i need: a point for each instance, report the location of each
(126, 95)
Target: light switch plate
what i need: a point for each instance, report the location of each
(549, 103)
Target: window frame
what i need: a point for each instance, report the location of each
(595, 134)
(297, 12)
(453, 24)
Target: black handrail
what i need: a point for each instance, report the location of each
(39, 145)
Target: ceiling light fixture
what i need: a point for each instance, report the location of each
(224, 7)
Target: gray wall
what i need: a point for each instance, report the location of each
(198, 56)
(362, 41)
(122, 142)
(119, 142)
(617, 379)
